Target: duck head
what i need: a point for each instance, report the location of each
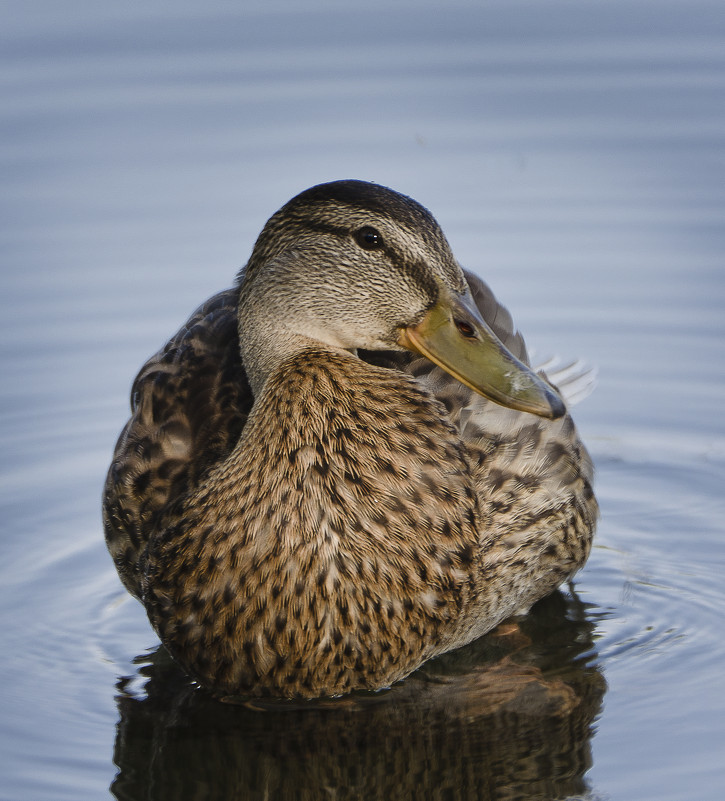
(351, 265)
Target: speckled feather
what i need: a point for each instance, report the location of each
(365, 514)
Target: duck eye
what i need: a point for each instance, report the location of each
(368, 238)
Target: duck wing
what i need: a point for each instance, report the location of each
(189, 404)
(534, 476)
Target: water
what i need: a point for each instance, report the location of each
(574, 155)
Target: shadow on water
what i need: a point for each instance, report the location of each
(509, 717)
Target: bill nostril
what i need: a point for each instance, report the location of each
(465, 329)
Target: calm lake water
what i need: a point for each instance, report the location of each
(574, 153)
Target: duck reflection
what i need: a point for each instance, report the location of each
(508, 717)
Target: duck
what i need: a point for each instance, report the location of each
(344, 465)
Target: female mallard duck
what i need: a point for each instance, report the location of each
(305, 504)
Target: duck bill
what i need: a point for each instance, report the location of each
(454, 336)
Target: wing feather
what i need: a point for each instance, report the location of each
(189, 404)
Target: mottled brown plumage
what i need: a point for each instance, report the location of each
(304, 507)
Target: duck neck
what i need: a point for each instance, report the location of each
(273, 326)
